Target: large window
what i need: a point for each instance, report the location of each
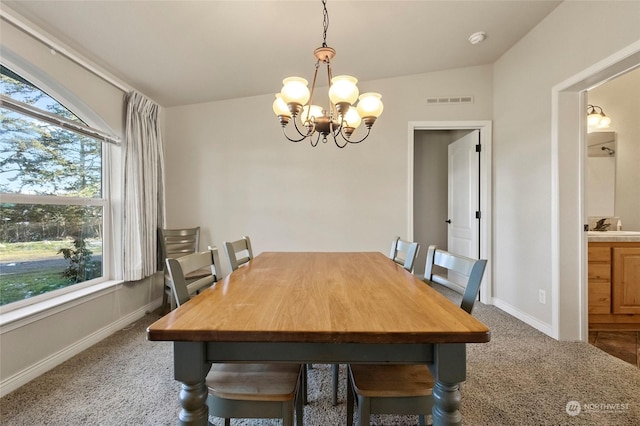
(53, 204)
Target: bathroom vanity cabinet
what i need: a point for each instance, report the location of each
(614, 285)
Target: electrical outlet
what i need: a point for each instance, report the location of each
(542, 297)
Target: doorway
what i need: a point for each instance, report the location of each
(428, 204)
(569, 241)
(612, 176)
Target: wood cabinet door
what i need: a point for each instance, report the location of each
(626, 280)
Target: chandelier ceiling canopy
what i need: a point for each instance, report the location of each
(340, 118)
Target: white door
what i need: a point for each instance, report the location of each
(464, 196)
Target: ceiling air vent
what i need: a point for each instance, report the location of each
(449, 100)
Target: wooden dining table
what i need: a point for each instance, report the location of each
(320, 307)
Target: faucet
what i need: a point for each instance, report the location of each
(609, 150)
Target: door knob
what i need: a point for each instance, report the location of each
(448, 220)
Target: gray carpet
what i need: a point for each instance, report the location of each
(521, 377)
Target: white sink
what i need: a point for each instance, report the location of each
(614, 233)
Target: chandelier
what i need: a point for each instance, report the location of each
(596, 118)
(341, 117)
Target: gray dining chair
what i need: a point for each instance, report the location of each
(407, 389)
(175, 243)
(238, 252)
(240, 390)
(404, 253)
(182, 288)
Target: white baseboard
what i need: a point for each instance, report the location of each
(526, 318)
(17, 380)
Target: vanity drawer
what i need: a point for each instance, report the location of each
(599, 254)
(599, 272)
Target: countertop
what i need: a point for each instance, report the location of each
(613, 236)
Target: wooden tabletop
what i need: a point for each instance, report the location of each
(359, 297)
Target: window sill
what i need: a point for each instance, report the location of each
(25, 315)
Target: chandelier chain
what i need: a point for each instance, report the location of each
(325, 23)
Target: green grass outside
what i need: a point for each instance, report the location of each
(32, 250)
(23, 285)
(16, 287)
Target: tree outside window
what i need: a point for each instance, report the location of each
(51, 199)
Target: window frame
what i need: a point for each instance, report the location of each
(111, 163)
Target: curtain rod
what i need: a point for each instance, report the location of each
(27, 28)
(76, 127)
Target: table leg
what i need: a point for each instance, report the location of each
(193, 398)
(446, 401)
(191, 368)
(448, 369)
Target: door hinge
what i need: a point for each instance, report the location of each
(586, 228)
(478, 215)
(478, 148)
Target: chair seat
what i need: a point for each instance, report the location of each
(254, 382)
(389, 380)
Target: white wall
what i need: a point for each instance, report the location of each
(620, 99)
(231, 171)
(523, 80)
(77, 85)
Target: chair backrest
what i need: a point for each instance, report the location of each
(404, 253)
(179, 268)
(469, 270)
(178, 242)
(238, 252)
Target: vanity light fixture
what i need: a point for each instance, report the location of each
(342, 116)
(596, 118)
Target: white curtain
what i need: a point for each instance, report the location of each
(143, 187)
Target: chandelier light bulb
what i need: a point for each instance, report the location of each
(295, 91)
(370, 105)
(280, 107)
(311, 112)
(352, 118)
(343, 89)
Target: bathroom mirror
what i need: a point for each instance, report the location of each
(601, 173)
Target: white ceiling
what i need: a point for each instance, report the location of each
(185, 52)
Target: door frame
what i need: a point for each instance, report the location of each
(569, 317)
(486, 236)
